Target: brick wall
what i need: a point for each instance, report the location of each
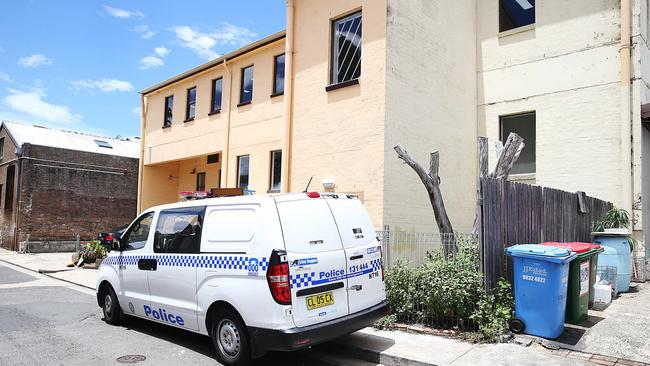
(6, 216)
(65, 192)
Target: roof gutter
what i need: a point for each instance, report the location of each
(216, 62)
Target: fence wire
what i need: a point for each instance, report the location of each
(432, 279)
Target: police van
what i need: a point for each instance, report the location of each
(255, 273)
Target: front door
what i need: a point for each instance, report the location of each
(135, 286)
(177, 240)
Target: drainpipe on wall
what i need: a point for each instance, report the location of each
(16, 203)
(226, 154)
(143, 116)
(288, 100)
(626, 106)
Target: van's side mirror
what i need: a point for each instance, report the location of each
(116, 244)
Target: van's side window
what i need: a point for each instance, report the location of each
(179, 230)
(137, 235)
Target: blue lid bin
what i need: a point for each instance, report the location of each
(541, 277)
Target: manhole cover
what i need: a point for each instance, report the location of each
(131, 358)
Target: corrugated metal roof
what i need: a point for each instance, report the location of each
(262, 42)
(45, 136)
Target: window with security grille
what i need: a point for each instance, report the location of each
(346, 48)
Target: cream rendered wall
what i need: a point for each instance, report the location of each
(339, 134)
(189, 168)
(567, 70)
(431, 105)
(255, 128)
(161, 184)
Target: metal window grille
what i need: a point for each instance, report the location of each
(346, 63)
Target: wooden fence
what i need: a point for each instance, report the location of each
(515, 213)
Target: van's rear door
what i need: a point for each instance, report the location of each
(317, 264)
(362, 251)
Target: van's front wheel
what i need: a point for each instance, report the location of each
(230, 338)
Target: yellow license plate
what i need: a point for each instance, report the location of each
(320, 300)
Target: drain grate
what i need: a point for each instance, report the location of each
(131, 358)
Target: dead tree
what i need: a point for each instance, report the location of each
(431, 182)
(507, 155)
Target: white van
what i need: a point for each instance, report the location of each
(255, 273)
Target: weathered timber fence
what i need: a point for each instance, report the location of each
(515, 213)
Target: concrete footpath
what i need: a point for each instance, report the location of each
(376, 346)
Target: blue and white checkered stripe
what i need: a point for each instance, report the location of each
(179, 260)
(302, 279)
(307, 279)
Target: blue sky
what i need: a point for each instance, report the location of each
(79, 65)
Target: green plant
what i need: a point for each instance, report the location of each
(401, 291)
(386, 322)
(493, 311)
(92, 251)
(613, 219)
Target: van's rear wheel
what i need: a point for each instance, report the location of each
(230, 338)
(111, 307)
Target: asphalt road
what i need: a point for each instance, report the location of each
(44, 321)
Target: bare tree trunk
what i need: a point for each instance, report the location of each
(483, 172)
(511, 150)
(431, 182)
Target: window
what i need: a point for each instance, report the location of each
(214, 158)
(242, 171)
(278, 74)
(105, 144)
(191, 104)
(276, 170)
(169, 105)
(2, 147)
(515, 13)
(346, 48)
(216, 95)
(179, 230)
(523, 125)
(136, 236)
(200, 181)
(246, 88)
(9, 187)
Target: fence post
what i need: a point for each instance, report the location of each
(386, 240)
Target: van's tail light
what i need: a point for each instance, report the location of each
(278, 277)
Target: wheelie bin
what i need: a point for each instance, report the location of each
(579, 279)
(540, 281)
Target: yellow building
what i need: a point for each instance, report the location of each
(237, 121)
(364, 75)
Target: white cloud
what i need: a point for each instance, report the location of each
(203, 43)
(136, 111)
(144, 31)
(162, 51)
(5, 77)
(121, 13)
(34, 61)
(149, 62)
(105, 85)
(32, 103)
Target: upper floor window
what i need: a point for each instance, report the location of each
(515, 13)
(190, 110)
(169, 106)
(278, 74)
(216, 95)
(522, 124)
(246, 87)
(2, 147)
(346, 48)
